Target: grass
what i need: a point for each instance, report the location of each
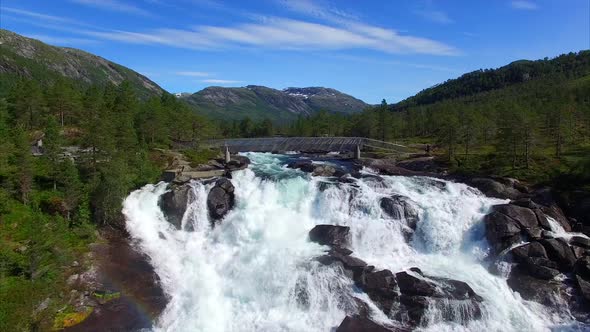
(36, 254)
(202, 156)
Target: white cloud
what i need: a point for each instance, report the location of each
(525, 5)
(114, 5)
(36, 15)
(265, 32)
(219, 81)
(193, 73)
(313, 9)
(281, 33)
(436, 16)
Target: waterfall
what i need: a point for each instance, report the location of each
(255, 271)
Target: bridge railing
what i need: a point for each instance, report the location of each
(283, 144)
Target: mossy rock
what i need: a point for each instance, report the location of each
(68, 319)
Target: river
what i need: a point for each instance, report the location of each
(255, 271)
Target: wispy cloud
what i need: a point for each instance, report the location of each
(193, 73)
(429, 11)
(435, 16)
(219, 81)
(114, 5)
(524, 5)
(281, 33)
(314, 9)
(264, 32)
(36, 15)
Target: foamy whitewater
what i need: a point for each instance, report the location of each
(255, 271)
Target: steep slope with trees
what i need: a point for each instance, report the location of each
(97, 147)
(565, 67)
(26, 57)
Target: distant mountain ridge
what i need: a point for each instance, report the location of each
(26, 57)
(260, 102)
(21, 56)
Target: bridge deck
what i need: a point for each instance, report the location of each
(283, 144)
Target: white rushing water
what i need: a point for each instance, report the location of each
(255, 271)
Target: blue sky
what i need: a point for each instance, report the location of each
(370, 49)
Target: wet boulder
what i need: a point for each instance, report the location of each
(331, 235)
(547, 292)
(582, 267)
(400, 207)
(303, 164)
(323, 170)
(494, 188)
(220, 199)
(411, 285)
(342, 256)
(547, 203)
(508, 224)
(580, 241)
(533, 260)
(381, 287)
(173, 204)
(359, 323)
(583, 287)
(560, 252)
(237, 163)
(420, 292)
(525, 217)
(501, 231)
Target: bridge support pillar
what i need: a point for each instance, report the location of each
(227, 155)
(357, 152)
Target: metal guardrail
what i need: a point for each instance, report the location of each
(283, 144)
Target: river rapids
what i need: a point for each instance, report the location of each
(251, 271)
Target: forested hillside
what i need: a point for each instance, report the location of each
(534, 129)
(25, 57)
(562, 68)
(96, 147)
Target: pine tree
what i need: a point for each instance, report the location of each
(23, 164)
(52, 145)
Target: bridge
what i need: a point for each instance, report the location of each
(326, 144)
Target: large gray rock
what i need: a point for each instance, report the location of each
(582, 267)
(361, 324)
(547, 292)
(380, 286)
(508, 224)
(323, 170)
(173, 204)
(560, 252)
(525, 217)
(545, 198)
(400, 207)
(220, 199)
(501, 231)
(419, 292)
(331, 235)
(494, 188)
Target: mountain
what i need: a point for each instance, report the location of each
(565, 67)
(25, 57)
(319, 98)
(259, 102)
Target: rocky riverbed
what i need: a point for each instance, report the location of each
(530, 237)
